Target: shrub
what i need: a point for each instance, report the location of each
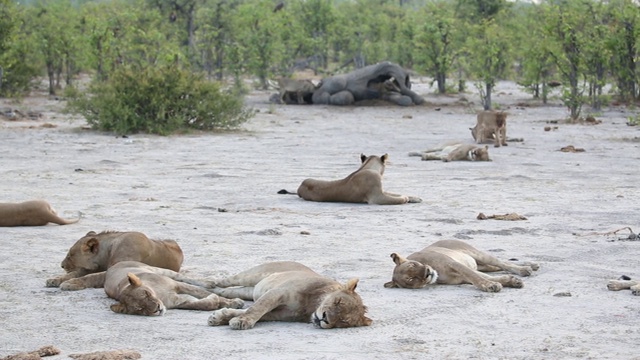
(158, 100)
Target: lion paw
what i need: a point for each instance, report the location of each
(236, 303)
(514, 282)
(492, 287)
(72, 285)
(55, 282)
(413, 199)
(614, 285)
(217, 318)
(240, 323)
(525, 271)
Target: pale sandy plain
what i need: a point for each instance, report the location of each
(216, 194)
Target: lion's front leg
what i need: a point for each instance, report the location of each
(56, 281)
(95, 280)
(617, 285)
(265, 304)
(222, 316)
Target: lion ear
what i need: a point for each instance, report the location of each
(91, 233)
(351, 284)
(117, 308)
(391, 285)
(366, 321)
(363, 157)
(92, 245)
(486, 147)
(397, 259)
(384, 158)
(134, 280)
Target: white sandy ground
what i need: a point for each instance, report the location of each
(175, 186)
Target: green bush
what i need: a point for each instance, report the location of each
(158, 100)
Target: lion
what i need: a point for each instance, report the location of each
(301, 89)
(289, 291)
(455, 152)
(491, 125)
(454, 262)
(30, 213)
(362, 186)
(623, 283)
(97, 252)
(148, 290)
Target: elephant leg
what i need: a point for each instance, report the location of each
(342, 98)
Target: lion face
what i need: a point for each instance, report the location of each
(411, 274)
(480, 154)
(83, 254)
(341, 309)
(138, 299)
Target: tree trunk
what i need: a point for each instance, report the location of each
(487, 97)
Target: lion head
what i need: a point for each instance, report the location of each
(373, 162)
(341, 309)
(83, 255)
(480, 154)
(411, 274)
(138, 299)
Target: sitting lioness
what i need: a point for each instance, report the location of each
(30, 213)
(362, 186)
(491, 126)
(147, 290)
(454, 262)
(301, 89)
(289, 291)
(455, 152)
(97, 252)
(624, 283)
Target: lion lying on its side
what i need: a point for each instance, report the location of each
(625, 283)
(300, 88)
(30, 213)
(454, 262)
(362, 186)
(455, 152)
(491, 125)
(147, 290)
(289, 291)
(97, 252)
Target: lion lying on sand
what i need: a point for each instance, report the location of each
(147, 290)
(97, 252)
(30, 213)
(491, 126)
(455, 152)
(289, 291)
(293, 88)
(454, 262)
(362, 186)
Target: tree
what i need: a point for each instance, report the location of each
(622, 43)
(436, 41)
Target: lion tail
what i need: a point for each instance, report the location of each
(286, 192)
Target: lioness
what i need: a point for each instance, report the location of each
(454, 262)
(362, 186)
(30, 213)
(625, 283)
(147, 290)
(97, 252)
(300, 88)
(455, 152)
(491, 125)
(289, 291)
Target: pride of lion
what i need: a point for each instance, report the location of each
(143, 275)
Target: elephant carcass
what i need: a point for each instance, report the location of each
(385, 80)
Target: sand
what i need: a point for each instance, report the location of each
(216, 195)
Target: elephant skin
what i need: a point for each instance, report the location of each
(384, 80)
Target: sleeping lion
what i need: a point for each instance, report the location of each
(455, 152)
(289, 291)
(146, 290)
(454, 262)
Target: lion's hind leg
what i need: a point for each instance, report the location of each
(505, 280)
